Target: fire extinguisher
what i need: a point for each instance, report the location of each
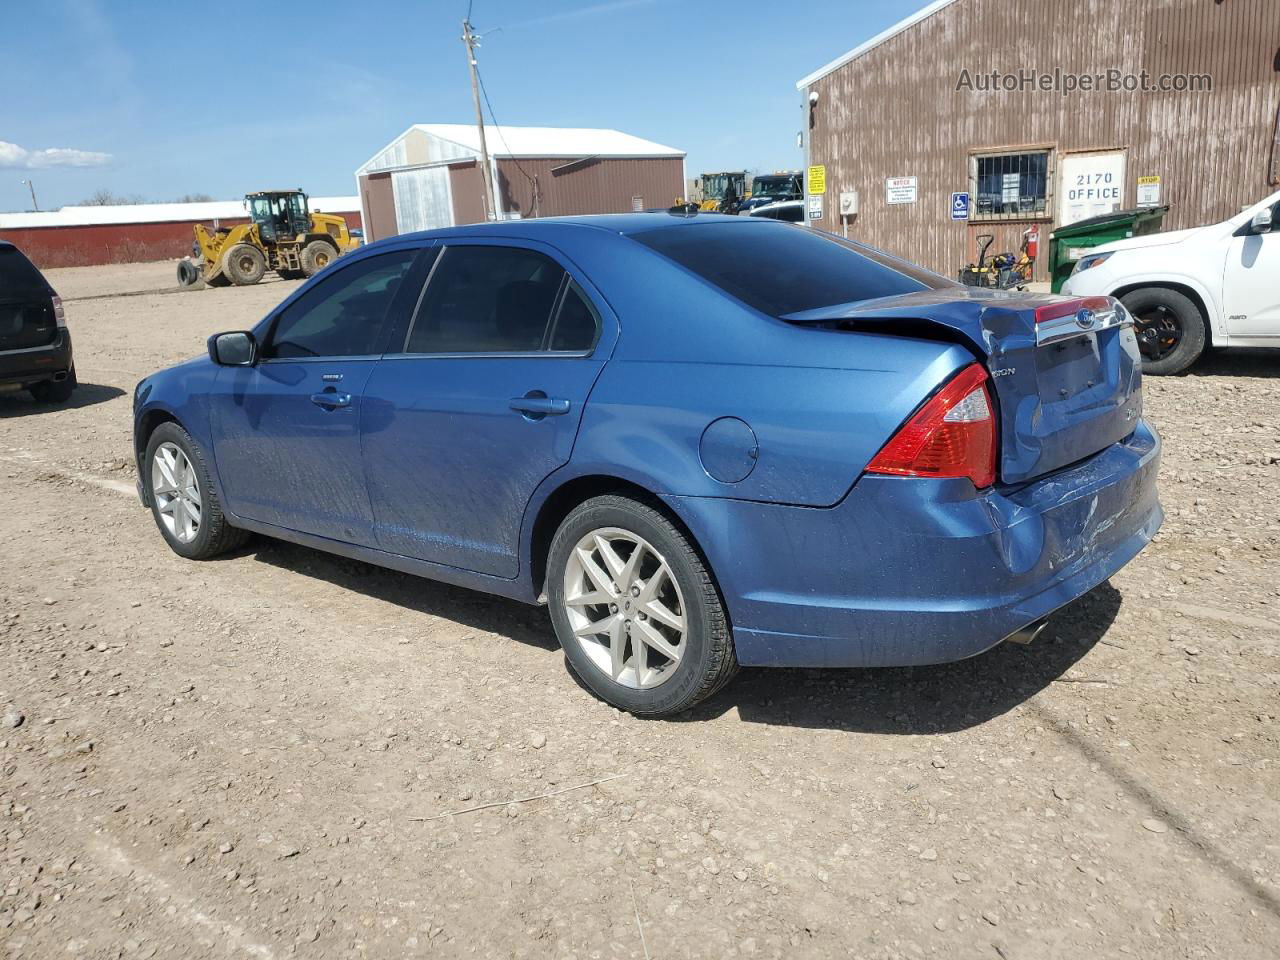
(1033, 242)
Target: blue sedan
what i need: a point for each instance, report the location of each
(702, 441)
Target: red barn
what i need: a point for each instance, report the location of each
(131, 233)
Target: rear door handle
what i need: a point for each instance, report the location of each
(331, 401)
(538, 407)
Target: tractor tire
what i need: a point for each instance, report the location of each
(317, 255)
(188, 274)
(244, 265)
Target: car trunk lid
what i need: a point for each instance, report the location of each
(1066, 373)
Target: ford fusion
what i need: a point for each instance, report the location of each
(701, 441)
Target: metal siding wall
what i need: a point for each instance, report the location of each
(895, 112)
(467, 185)
(597, 186)
(380, 205)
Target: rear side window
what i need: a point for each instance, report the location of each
(17, 273)
(781, 270)
(577, 324)
(344, 314)
(487, 299)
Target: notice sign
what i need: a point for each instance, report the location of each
(1092, 184)
(1011, 188)
(818, 180)
(815, 208)
(1148, 191)
(900, 190)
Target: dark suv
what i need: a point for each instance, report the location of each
(35, 345)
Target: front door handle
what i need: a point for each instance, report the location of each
(538, 405)
(331, 400)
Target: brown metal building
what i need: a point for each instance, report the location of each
(430, 176)
(1175, 102)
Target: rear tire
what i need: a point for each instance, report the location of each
(244, 265)
(50, 391)
(317, 255)
(1171, 329)
(664, 643)
(183, 501)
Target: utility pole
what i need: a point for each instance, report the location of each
(490, 198)
(32, 187)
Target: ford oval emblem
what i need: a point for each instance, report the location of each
(1085, 319)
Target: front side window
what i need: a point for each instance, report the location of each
(487, 299)
(1009, 186)
(344, 314)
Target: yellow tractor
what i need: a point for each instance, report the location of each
(282, 235)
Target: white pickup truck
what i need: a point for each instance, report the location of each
(1188, 290)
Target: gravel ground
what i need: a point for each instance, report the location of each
(233, 758)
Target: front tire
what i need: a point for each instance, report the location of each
(636, 610)
(183, 501)
(1171, 330)
(244, 265)
(317, 255)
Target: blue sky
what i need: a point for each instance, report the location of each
(249, 95)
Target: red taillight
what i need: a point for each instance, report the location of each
(59, 313)
(1069, 308)
(952, 435)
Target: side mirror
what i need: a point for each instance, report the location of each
(237, 349)
(1263, 222)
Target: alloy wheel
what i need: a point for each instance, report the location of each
(625, 608)
(176, 492)
(1159, 333)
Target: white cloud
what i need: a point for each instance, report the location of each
(15, 157)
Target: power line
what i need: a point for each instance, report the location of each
(533, 181)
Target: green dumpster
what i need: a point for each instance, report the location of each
(1070, 243)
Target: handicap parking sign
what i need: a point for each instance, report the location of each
(960, 206)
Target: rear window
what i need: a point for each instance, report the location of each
(18, 273)
(781, 270)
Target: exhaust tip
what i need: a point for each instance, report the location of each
(1028, 633)
(60, 376)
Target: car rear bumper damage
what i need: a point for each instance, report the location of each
(37, 364)
(910, 571)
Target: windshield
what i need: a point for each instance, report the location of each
(260, 208)
(782, 269)
(775, 187)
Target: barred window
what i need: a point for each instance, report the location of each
(1011, 186)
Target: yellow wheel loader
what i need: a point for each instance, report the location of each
(282, 235)
(723, 192)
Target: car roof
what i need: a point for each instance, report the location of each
(617, 223)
